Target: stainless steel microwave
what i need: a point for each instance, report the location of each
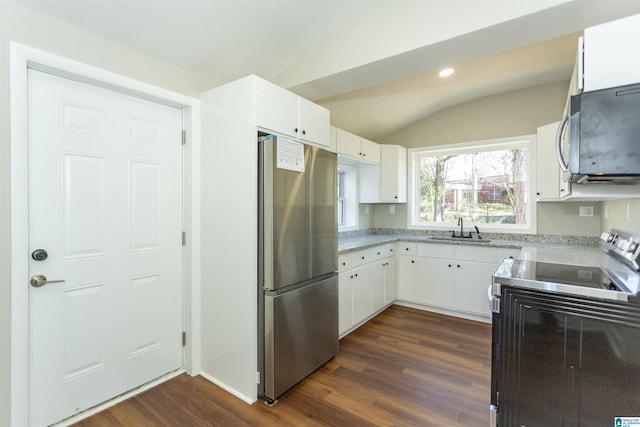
(603, 136)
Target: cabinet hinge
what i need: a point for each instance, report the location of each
(184, 137)
(184, 339)
(184, 238)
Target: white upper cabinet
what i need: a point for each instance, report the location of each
(386, 183)
(286, 113)
(549, 183)
(370, 151)
(313, 123)
(356, 150)
(610, 55)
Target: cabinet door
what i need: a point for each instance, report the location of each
(611, 54)
(361, 293)
(313, 123)
(390, 288)
(434, 282)
(470, 283)
(370, 151)
(345, 301)
(377, 284)
(407, 277)
(548, 169)
(348, 143)
(276, 108)
(393, 174)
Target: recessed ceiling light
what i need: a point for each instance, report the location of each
(446, 72)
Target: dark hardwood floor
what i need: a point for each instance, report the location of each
(405, 367)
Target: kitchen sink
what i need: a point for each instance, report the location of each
(458, 239)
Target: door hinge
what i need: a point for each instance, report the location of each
(184, 137)
(257, 377)
(184, 339)
(184, 238)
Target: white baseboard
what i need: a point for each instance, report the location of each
(228, 389)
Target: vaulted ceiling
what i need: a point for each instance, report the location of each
(373, 63)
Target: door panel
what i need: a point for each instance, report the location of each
(83, 205)
(105, 197)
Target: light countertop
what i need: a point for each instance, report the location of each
(563, 253)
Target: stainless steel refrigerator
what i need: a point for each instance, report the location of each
(298, 261)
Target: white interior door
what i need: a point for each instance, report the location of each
(105, 203)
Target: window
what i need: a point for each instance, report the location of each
(487, 184)
(347, 197)
(494, 194)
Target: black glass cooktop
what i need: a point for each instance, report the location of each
(575, 279)
(590, 277)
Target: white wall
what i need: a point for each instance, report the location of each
(22, 25)
(622, 214)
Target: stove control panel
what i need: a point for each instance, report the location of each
(624, 245)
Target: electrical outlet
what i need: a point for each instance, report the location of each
(586, 210)
(392, 209)
(366, 209)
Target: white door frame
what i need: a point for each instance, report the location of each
(21, 58)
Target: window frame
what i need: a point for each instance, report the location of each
(413, 190)
(351, 202)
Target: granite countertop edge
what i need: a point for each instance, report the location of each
(358, 243)
(574, 251)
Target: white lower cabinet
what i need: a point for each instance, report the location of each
(361, 284)
(390, 280)
(345, 302)
(407, 277)
(470, 282)
(434, 278)
(452, 278)
(367, 283)
(383, 283)
(447, 278)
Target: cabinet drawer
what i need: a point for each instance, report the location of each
(474, 253)
(435, 250)
(344, 262)
(360, 258)
(406, 248)
(382, 251)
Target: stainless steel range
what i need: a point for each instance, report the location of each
(566, 340)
